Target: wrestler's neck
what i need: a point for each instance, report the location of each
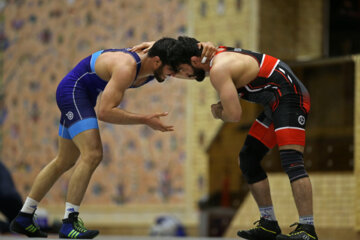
(197, 63)
(147, 65)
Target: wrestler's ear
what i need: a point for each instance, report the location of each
(195, 61)
(156, 61)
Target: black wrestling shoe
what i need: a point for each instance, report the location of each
(302, 232)
(73, 227)
(264, 230)
(24, 224)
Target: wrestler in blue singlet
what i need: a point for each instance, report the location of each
(77, 93)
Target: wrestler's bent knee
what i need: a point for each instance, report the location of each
(293, 164)
(250, 157)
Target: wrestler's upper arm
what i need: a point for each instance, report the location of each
(221, 79)
(121, 79)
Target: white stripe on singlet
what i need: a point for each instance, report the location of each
(77, 109)
(289, 128)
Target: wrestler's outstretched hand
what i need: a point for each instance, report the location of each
(154, 121)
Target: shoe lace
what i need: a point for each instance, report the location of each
(79, 225)
(257, 223)
(297, 229)
(35, 221)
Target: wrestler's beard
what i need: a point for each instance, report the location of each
(199, 74)
(158, 73)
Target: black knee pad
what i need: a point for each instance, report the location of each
(293, 164)
(250, 156)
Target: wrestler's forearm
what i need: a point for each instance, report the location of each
(230, 117)
(121, 116)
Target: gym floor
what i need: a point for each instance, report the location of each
(10, 237)
(331, 235)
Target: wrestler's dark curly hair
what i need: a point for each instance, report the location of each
(182, 51)
(161, 49)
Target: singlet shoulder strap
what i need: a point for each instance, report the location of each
(220, 50)
(137, 59)
(94, 56)
(133, 54)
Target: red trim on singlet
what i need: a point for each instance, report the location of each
(264, 134)
(275, 104)
(290, 136)
(220, 50)
(282, 136)
(301, 104)
(288, 80)
(267, 66)
(306, 102)
(262, 86)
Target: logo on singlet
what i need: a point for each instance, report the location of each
(70, 115)
(301, 120)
